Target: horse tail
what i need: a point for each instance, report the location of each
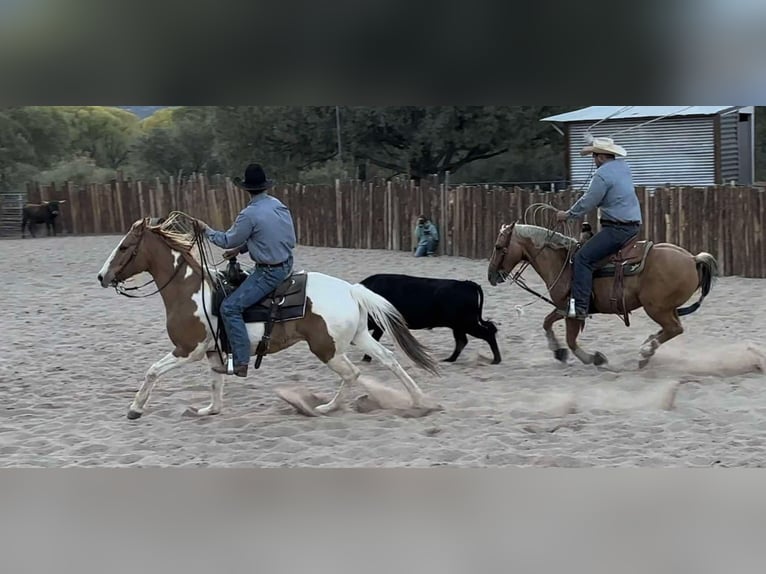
(391, 320)
(708, 271)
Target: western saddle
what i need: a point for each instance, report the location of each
(629, 260)
(285, 303)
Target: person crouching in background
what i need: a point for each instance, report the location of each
(427, 237)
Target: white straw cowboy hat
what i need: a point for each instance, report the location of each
(603, 145)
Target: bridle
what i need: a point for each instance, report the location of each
(516, 277)
(119, 286)
(122, 290)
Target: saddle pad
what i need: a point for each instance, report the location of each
(290, 295)
(627, 270)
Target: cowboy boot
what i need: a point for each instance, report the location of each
(239, 370)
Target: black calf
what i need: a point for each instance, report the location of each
(427, 303)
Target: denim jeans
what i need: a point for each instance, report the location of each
(605, 243)
(261, 282)
(426, 247)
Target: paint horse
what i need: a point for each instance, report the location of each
(335, 316)
(658, 277)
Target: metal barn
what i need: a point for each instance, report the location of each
(667, 145)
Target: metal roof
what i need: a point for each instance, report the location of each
(595, 113)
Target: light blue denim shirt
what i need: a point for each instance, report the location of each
(264, 228)
(613, 192)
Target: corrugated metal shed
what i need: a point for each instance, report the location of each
(729, 147)
(666, 151)
(667, 145)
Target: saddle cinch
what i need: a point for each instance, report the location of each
(629, 260)
(286, 303)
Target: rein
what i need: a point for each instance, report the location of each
(122, 290)
(517, 276)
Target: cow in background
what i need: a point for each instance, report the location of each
(45, 212)
(427, 303)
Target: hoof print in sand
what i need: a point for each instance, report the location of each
(302, 400)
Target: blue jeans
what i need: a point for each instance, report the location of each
(261, 282)
(605, 243)
(426, 247)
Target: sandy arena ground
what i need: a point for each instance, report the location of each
(73, 354)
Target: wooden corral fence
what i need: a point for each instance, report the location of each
(727, 221)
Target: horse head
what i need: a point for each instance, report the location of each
(505, 255)
(129, 258)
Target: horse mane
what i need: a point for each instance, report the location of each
(544, 237)
(179, 237)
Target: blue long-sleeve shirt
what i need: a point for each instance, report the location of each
(613, 192)
(264, 228)
(426, 232)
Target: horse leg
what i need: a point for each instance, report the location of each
(387, 358)
(574, 326)
(348, 372)
(216, 388)
(377, 333)
(559, 351)
(165, 364)
(671, 328)
(460, 342)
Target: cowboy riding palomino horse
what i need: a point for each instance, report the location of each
(660, 277)
(326, 312)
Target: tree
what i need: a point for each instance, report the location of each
(102, 133)
(286, 139)
(178, 139)
(421, 141)
(47, 131)
(16, 152)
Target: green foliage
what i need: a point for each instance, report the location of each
(287, 139)
(421, 141)
(79, 170)
(177, 140)
(294, 143)
(101, 133)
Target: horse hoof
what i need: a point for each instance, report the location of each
(133, 415)
(599, 359)
(561, 355)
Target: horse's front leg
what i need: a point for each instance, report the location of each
(559, 351)
(165, 364)
(216, 388)
(574, 326)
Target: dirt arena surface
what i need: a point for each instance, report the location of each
(72, 355)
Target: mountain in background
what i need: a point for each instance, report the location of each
(143, 111)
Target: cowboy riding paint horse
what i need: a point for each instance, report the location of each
(658, 277)
(333, 316)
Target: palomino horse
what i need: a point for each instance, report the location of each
(658, 277)
(335, 316)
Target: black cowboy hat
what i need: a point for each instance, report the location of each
(255, 179)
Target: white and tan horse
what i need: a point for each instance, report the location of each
(335, 317)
